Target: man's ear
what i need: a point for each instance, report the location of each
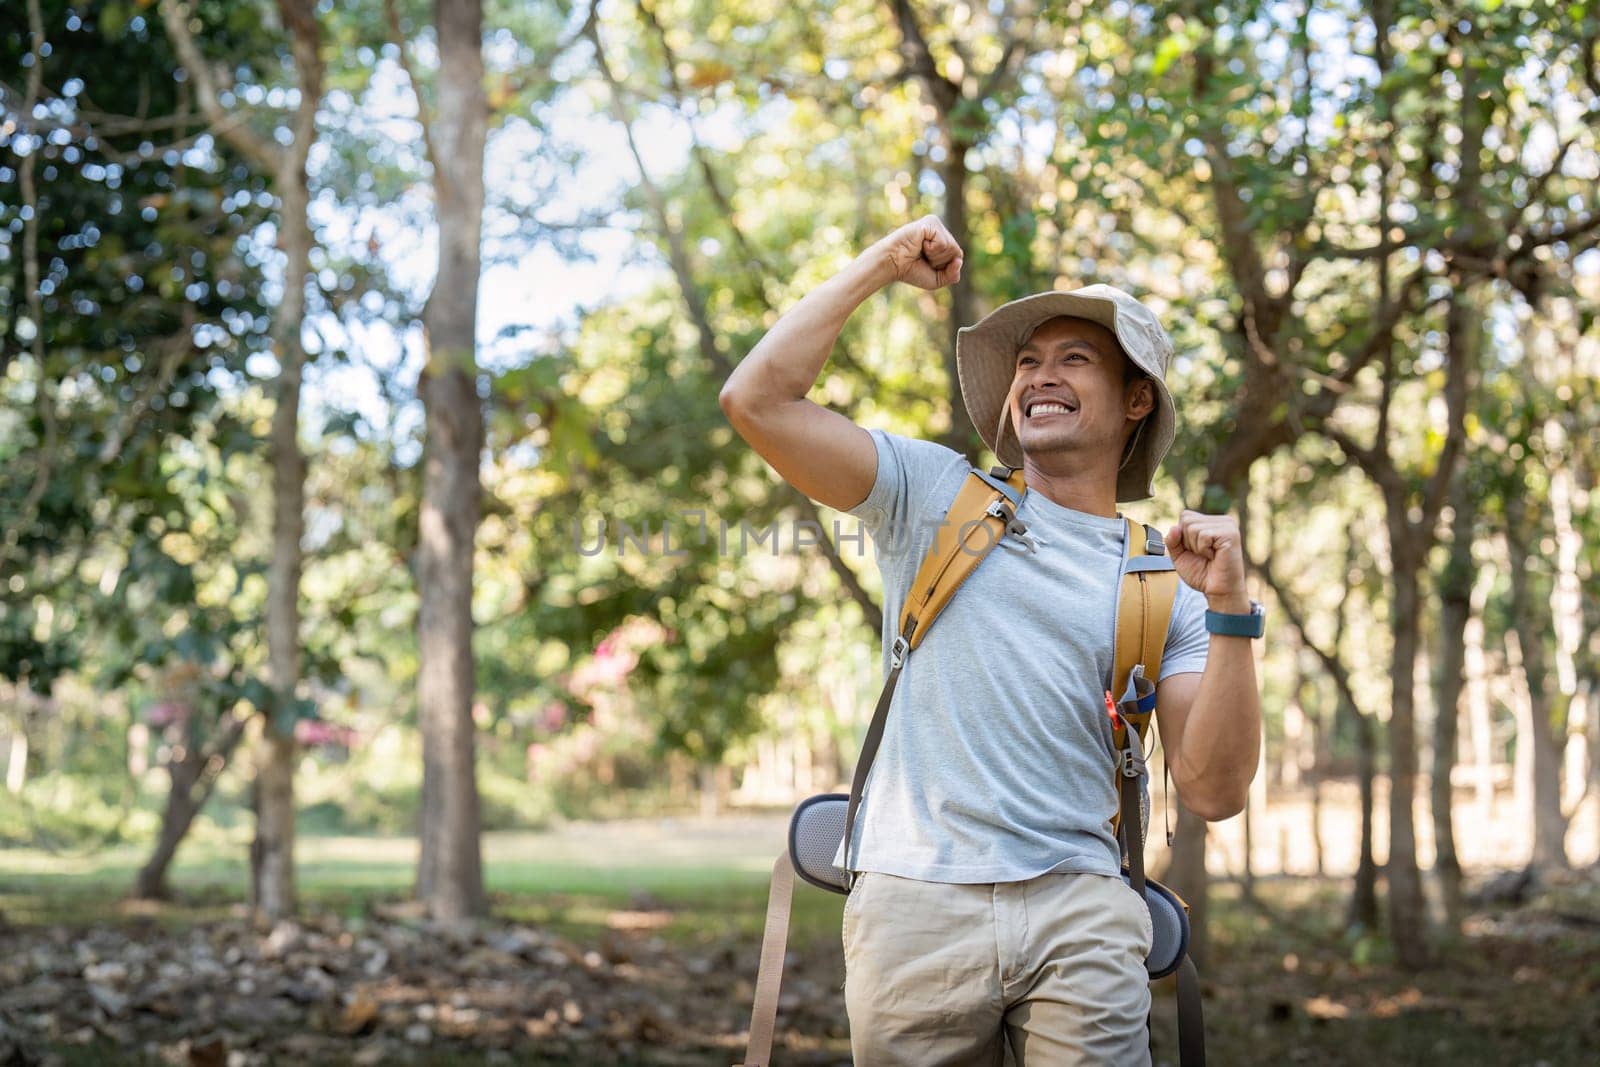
(1141, 398)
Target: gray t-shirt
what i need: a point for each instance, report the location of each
(996, 760)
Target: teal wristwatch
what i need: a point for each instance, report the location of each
(1252, 625)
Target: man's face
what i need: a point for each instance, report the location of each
(1068, 393)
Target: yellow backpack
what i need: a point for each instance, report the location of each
(985, 512)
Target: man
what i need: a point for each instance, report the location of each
(988, 910)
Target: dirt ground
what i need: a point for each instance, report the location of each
(640, 948)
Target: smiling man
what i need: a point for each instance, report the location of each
(987, 909)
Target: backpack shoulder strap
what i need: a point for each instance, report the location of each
(1145, 594)
(983, 511)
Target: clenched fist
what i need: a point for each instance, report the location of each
(924, 254)
(1209, 556)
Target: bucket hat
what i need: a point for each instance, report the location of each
(986, 354)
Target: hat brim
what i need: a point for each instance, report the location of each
(986, 364)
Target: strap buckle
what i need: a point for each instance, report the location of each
(898, 651)
(1014, 527)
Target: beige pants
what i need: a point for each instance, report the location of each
(944, 975)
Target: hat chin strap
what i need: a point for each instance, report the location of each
(1133, 444)
(1000, 430)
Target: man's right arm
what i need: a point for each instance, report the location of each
(817, 450)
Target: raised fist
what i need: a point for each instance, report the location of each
(924, 254)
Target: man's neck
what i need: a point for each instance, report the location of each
(1086, 489)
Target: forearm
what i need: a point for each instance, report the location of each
(1222, 732)
(785, 364)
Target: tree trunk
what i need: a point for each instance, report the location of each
(961, 436)
(272, 853)
(1407, 913)
(1537, 728)
(193, 778)
(1455, 608)
(960, 120)
(1364, 895)
(1566, 614)
(1247, 886)
(1319, 850)
(1318, 723)
(1186, 874)
(1479, 716)
(1579, 768)
(178, 816)
(17, 760)
(272, 857)
(450, 867)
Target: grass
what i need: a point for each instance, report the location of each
(696, 878)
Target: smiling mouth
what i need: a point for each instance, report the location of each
(1042, 409)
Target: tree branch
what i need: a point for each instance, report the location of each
(1328, 657)
(538, 72)
(699, 316)
(264, 154)
(1565, 233)
(44, 395)
(677, 252)
(1239, 250)
(1382, 330)
(919, 60)
(177, 346)
(843, 354)
(1012, 56)
(1371, 460)
(1525, 224)
(1460, 340)
(305, 40)
(398, 39)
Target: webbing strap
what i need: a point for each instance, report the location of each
(1148, 563)
(1191, 1017)
(869, 744)
(769, 975)
(1132, 845)
(1003, 486)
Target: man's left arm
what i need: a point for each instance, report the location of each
(1210, 722)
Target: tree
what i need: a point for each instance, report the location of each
(963, 98)
(109, 557)
(450, 867)
(272, 855)
(1454, 588)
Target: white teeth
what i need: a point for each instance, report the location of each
(1045, 409)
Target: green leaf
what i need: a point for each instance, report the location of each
(1167, 52)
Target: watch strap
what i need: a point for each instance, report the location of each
(1229, 625)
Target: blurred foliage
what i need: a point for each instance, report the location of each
(632, 631)
(120, 460)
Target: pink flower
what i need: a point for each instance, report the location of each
(166, 713)
(553, 716)
(315, 733)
